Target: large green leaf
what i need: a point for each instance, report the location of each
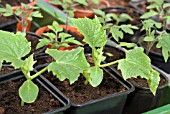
(28, 92)
(13, 47)
(153, 82)
(136, 63)
(164, 43)
(68, 64)
(93, 32)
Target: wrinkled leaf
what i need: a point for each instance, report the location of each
(136, 63)
(13, 47)
(68, 64)
(93, 32)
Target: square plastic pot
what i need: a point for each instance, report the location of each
(65, 103)
(112, 104)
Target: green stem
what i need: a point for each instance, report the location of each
(22, 103)
(38, 73)
(109, 64)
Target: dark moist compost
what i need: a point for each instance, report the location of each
(116, 54)
(119, 2)
(10, 102)
(6, 69)
(91, 6)
(80, 93)
(141, 82)
(14, 2)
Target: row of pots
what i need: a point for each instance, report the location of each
(113, 103)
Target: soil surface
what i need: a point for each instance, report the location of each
(6, 69)
(116, 54)
(119, 2)
(10, 101)
(80, 93)
(14, 2)
(153, 49)
(91, 6)
(140, 82)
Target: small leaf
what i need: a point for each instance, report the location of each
(28, 92)
(153, 82)
(28, 64)
(149, 14)
(149, 38)
(72, 40)
(116, 33)
(42, 42)
(124, 17)
(83, 2)
(164, 43)
(128, 45)
(96, 76)
(99, 12)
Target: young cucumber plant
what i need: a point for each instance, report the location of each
(158, 8)
(57, 38)
(68, 5)
(23, 15)
(116, 29)
(70, 64)
(162, 39)
(136, 63)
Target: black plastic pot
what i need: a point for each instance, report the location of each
(142, 100)
(158, 60)
(11, 26)
(112, 104)
(65, 103)
(136, 5)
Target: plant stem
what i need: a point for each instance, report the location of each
(109, 64)
(38, 73)
(22, 103)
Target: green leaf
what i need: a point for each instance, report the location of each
(152, 6)
(124, 17)
(93, 32)
(28, 92)
(18, 12)
(116, 33)
(164, 43)
(165, 5)
(127, 29)
(13, 47)
(128, 45)
(83, 2)
(68, 64)
(153, 82)
(72, 40)
(96, 1)
(149, 14)
(149, 38)
(99, 12)
(28, 64)
(96, 75)
(136, 63)
(42, 42)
